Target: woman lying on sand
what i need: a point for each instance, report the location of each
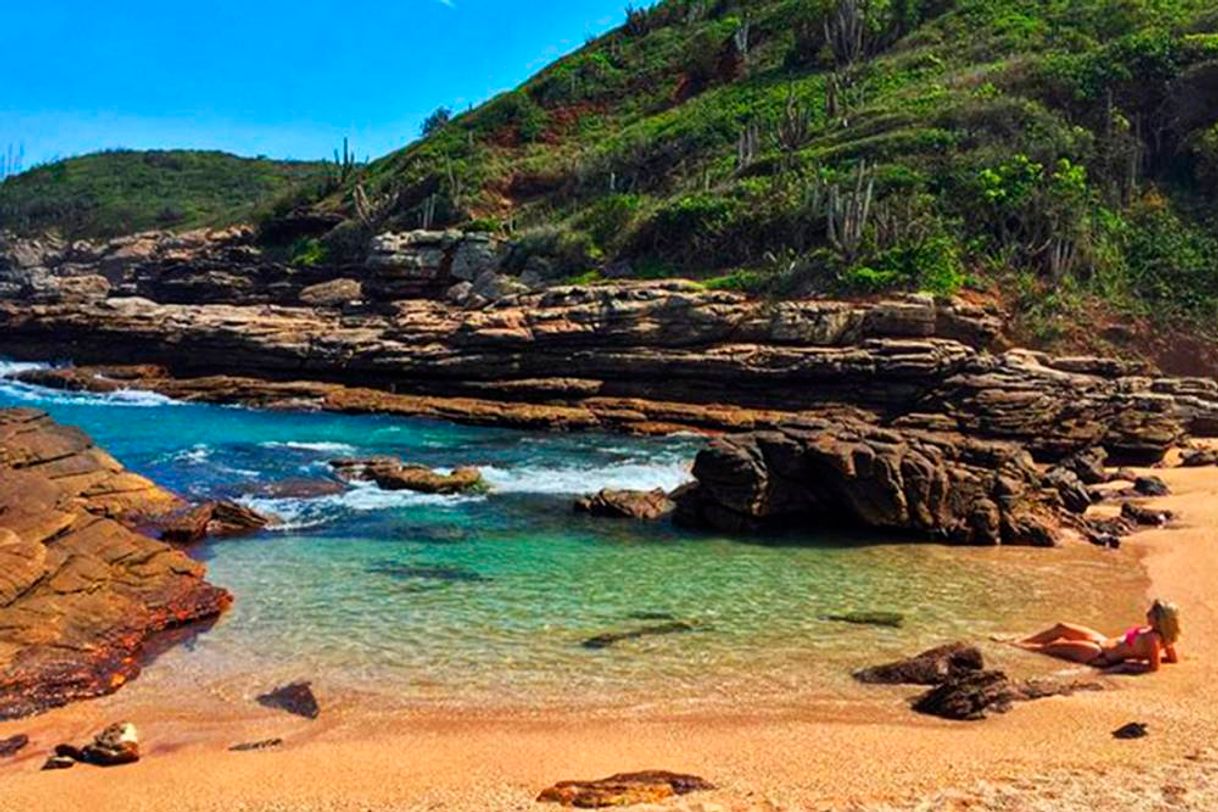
(1152, 644)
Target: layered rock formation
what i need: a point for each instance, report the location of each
(80, 593)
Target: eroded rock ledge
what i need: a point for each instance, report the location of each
(80, 592)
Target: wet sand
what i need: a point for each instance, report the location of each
(1053, 754)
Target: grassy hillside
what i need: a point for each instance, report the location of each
(1051, 147)
(111, 193)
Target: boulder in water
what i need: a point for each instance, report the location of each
(296, 698)
(391, 474)
(932, 667)
(624, 789)
(892, 620)
(212, 519)
(620, 504)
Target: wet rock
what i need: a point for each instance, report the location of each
(618, 504)
(624, 789)
(934, 485)
(293, 489)
(1199, 458)
(80, 592)
(219, 519)
(1144, 516)
(13, 745)
(613, 638)
(297, 699)
(931, 667)
(1151, 486)
(893, 620)
(250, 747)
(59, 763)
(974, 695)
(389, 473)
(116, 745)
(1133, 730)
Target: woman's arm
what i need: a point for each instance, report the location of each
(1156, 658)
(1169, 655)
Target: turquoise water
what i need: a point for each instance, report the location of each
(487, 599)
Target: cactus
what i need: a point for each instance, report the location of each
(846, 32)
(373, 210)
(793, 130)
(12, 162)
(740, 39)
(848, 214)
(344, 165)
(747, 147)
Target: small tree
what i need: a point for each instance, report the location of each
(436, 121)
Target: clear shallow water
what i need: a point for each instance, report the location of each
(486, 599)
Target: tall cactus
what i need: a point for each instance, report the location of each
(793, 130)
(747, 147)
(848, 213)
(846, 31)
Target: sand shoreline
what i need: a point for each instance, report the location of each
(1053, 754)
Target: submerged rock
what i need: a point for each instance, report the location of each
(894, 620)
(613, 638)
(624, 789)
(391, 474)
(13, 745)
(297, 699)
(427, 573)
(931, 667)
(618, 504)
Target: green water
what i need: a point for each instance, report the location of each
(487, 600)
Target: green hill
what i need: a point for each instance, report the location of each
(119, 192)
(1056, 147)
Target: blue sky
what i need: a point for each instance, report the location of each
(272, 77)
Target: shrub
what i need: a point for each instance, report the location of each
(435, 122)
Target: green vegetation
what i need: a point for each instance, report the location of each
(853, 146)
(112, 193)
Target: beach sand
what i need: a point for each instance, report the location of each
(1053, 754)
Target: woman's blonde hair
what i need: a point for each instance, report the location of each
(1165, 619)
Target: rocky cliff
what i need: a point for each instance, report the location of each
(81, 593)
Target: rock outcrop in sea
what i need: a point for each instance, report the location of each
(81, 593)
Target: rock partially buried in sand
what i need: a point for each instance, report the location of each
(391, 474)
(974, 695)
(1133, 730)
(1199, 458)
(117, 744)
(1145, 517)
(932, 667)
(613, 638)
(59, 763)
(613, 504)
(253, 747)
(624, 789)
(13, 744)
(1151, 486)
(296, 698)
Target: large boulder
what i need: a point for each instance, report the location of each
(822, 472)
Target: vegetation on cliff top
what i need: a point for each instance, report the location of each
(119, 192)
(846, 145)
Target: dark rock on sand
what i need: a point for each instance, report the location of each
(391, 474)
(931, 667)
(1199, 458)
(1133, 730)
(117, 744)
(1144, 516)
(59, 763)
(296, 698)
(624, 789)
(613, 638)
(250, 747)
(614, 504)
(1151, 486)
(894, 620)
(13, 745)
(221, 519)
(972, 696)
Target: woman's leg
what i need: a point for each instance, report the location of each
(1065, 631)
(1078, 651)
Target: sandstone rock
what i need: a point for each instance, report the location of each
(493, 286)
(117, 744)
(1087, 465)
(623, 789)
(13, 745)
(932, 667)
(392, 475)
(1145, 516)
(1074, 494)
(938, 486)
(250, 747)
(1199, 458)
(335, 293)
(59, 763)
(297, 699)
(217, 519)
(615, 504)
(1151, 486)
(976, 694)
(80, 592)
